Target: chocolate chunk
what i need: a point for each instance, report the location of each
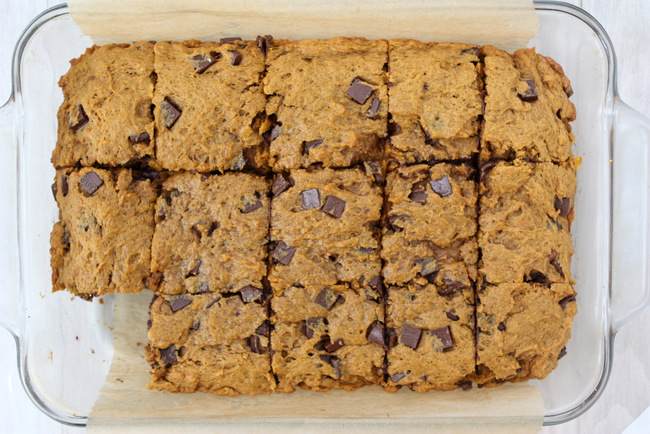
(79, 118)
(255, 344)
(250, 293)
(375, 334)
(311, 324)
(334, 206)
(168, 355)
(465, 385)
(374, 106)
(391, 338)
(327, 298)
(170, 111)
(335, 362)
(310, 198)
(501, 326)
(55, 189)
(410, 336)
(566, 300)
(195, 325)
(64, 185)
(568, 91)
(212, 302)
(442, 186)
(179, 302)
(263, 43)
(395, 378)
(91, 182)
(250, 207)
(393, 219)
(554, 262)
(264, 329)
(272, 133)
(375, 282)
(140, 138)
(444, 334)
(306, 146)
(474, 51)
(283, 253)
(418, 192)
(281, 183)
(484, 168)
(394, 129)
(195, 270)
(563, 205)
(229, 40)
(201, 62)
(330, 346)
(452, 315)
(538, 277)
(530, 94)
(235, 57)
(562, 353)
(359, 91)
(451, 286)
(373, 168)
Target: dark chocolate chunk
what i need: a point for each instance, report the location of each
(391, 338)
(140, 138)
(272, 133)
(442, 186)
(501, 326)
(418, 192)
(250, 293)
(530, 94)
(195, 325)
(90, 183)
(229, 40)
(375, 282)
(179, 302)
(330, 346)
(168, 355)
(563, 205)
(562, 353)
(281, 183)
(444, 334)
(373, 168)
(170, 111)
(311, 324)
(201, 62)
(395, 378)
(394, 129)
(327, 298)
(451, 286)
(264, 329)
(374, 106)
(452, 315)
(283, 253)
(410, 336)
(78, 118)
(55, 189)
(375, 334)
(484, 168)
(554, 262)
(359, 91)
(566, 300)
(263, 43)
(474, 51)
(306, 146)
(212, 302)
(465, 385)
(64, 185)
(252, 206)
(235, 57)
(335, 362)
(310, 198)
(393, 219)
(568, 91)
(255, 344)
(195, 270)
(538, 277)
(334, 206)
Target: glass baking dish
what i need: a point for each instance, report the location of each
(65, 345)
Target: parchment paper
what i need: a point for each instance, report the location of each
(508, 24)
(125, 404)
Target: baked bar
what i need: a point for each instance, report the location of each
(328, 101)
(209, 105)
(435, 101)
(102, 242)
(210, 343)
(327, 337)
(430, 338)
(525, 214)
(210, 233)
(324, 228)
(106, 114)
(527, 108)
(429, 232)
(522, 330)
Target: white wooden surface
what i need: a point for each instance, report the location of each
(628, 391)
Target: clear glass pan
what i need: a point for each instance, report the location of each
(65, 345)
